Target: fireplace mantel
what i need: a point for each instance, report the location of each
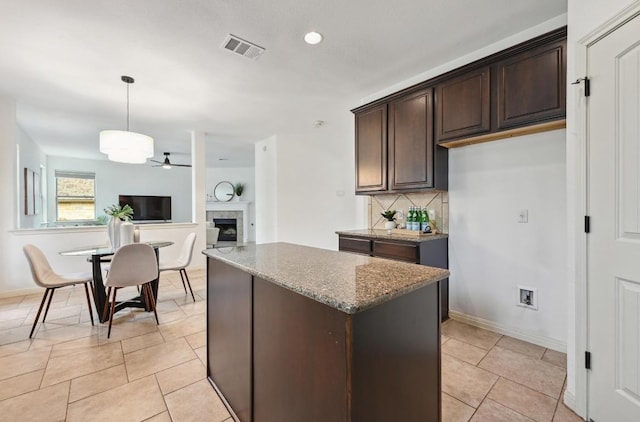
(241, 206)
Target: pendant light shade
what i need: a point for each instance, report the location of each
(124, 146)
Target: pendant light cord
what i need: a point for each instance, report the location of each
(127, 107)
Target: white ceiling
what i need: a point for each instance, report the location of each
(62, 60)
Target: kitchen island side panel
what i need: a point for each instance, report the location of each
(229, 337)
(396, 359)
(300, 365)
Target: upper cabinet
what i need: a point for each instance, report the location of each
(395, 150)
(371, 150)
(402, 139)
(463, 105)
(531, 86)
(410, 132)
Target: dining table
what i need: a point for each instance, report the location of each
(100, 254)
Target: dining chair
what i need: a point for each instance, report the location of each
(182, 262)
(212, 235)
(44, 276)
(135, 264)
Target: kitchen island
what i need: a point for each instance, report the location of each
(297, 333)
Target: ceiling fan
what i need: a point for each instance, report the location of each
(166, 163)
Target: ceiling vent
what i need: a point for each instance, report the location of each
(242, 47)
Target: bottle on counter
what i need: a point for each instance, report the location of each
(426, 224)
(415, 221)
(410, 217)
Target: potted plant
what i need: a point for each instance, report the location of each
(116, 211)
(390, 216)
(239, 188)
(118, 216)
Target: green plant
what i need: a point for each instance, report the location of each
(102, 220)
(390, 215)
(116, 211)
(239, 188)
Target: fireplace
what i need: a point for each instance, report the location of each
(228, 228)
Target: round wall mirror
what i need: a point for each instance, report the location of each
(224, 191)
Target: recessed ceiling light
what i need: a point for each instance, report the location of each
(313, 38)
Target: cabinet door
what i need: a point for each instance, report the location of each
(531, 86)
(229, 331)
(411, 141)
(371, 150)
(396, 250)
(351, 244)
(463, 105)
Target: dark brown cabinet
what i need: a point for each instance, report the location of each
(517, 91)
(395, 149)
(463, 105)
(371, 150)
(433, 253)
(276, 355)
(531, 86)
(230, 294)
(410, 132)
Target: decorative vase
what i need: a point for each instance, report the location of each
(389, 225)
(113, 228)
(136, 234)
(126, 233)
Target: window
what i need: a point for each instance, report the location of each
(75, 196)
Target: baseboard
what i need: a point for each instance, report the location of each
(569, 400)
(38, 290)
(21, 292)
(543, 341)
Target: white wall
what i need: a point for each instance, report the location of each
(316, 184)
(17, 277)
(8, 183)
(235, 175)
(266, 194)
(490, 253)
(113, 179)
(31, 157)
(584, 16)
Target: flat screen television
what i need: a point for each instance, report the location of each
(148, 208)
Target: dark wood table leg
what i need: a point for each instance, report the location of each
(99, 294)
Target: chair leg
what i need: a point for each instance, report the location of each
(188, 283)
(46, 311)
(35, 322)
(152, 302)
(183, 285)
(86, 290)
(106, 305)
(113, 311)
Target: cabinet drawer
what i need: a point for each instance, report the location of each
(399, 251)
(351, 244)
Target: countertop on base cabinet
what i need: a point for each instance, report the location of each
(297, 333)
(431, 250)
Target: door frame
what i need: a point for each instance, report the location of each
(579, 402)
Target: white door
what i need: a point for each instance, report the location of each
(613, 277)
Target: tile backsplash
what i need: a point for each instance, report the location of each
(437, 201)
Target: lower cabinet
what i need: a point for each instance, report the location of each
(432, 253)
(275, 355)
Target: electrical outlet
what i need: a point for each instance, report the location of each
(523, 217)
(400, 215)
(527, 297)
(432, 214)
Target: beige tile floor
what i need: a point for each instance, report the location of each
(70, 371)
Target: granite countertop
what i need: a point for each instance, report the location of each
(382, 234)
(347, 282)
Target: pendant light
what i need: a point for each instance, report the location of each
(124, 146)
